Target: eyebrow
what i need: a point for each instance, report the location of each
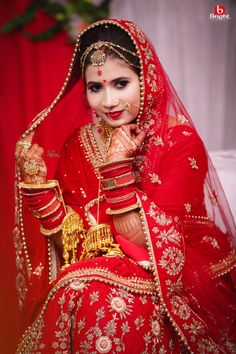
(112, 81)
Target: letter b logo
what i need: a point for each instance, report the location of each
(219, 10)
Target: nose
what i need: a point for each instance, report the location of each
(109, 99)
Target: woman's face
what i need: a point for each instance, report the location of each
(115, 94)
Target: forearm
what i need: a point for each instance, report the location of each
(129, 226)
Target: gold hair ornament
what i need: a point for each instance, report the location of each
(98, 58)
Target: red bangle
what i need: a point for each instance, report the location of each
(118, 181)
(47, 205)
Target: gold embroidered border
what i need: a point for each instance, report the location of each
(89, 143)
(225, 265)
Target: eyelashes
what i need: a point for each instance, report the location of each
(122, 83)
(118, 84)
(94, 87)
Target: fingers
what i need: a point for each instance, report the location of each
(29, 137)
(33, 151)
(140, 138)
(36, 150)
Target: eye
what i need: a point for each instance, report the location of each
(94, 87)
(121, 83)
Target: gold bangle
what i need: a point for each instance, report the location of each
(49, 184)
(123, 210)
(128, 159)
(47, 232)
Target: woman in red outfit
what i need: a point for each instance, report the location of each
(136, 251)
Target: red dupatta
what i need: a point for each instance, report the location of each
(167, 125)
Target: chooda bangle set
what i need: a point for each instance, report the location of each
(45, 200)
(46, 203)
(118, 183)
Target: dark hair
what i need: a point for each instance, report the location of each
(116, 35)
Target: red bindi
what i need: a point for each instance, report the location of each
(104, 81)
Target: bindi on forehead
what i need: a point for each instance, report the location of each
(104, 81)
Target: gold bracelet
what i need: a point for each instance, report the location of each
(128, 159)
(47, 232)
(123, 210)
(49, 184)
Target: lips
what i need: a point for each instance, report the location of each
(114, 115)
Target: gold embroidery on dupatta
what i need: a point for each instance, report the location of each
(172, 260)
(136, 31)
(160, 218)
(38, 270)
(211, 240)
(167, 236)
(20, 277)
(185, 133)
(182, 119)
(152, 77)
(148, 53)
(179, 307)
(158, 141)
(188, 207)
(193, 163)
(194, 328)
(214, 199)
(207, 346)
(174, 287)
(225, 265)
(154, 178)
(92, 152)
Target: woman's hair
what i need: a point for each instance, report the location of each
(121, 45)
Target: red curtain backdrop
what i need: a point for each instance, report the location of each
(30, 75)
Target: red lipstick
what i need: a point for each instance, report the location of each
(114, 115)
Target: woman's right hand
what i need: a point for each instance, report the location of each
(29, 159)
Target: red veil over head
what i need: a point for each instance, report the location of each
(164, 119)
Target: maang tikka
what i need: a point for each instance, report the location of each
(98, 59)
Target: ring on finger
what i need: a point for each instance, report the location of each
(31, 168)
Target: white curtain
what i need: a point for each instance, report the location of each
(199, 57)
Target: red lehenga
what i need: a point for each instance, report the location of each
(177, 296)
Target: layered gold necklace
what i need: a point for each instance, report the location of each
(105, 130)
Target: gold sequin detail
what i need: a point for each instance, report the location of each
(181, 118)
(154, 178)
(193, 163)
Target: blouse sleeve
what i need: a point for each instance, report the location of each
(177, 180)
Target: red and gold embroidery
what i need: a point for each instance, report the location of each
(172, 260)
(193, 163)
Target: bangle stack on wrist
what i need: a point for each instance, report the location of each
(46, 202)
(118, 183)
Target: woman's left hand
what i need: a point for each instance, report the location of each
(125, 140)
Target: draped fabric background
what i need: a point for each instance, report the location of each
(198, 54)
